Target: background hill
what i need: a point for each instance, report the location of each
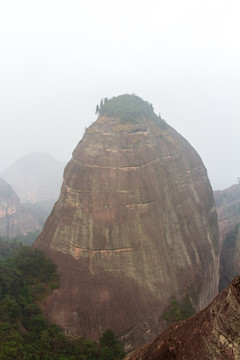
(36, 177)
(14, 218)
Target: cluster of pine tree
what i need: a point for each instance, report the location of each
(177, 312)
(128, 108)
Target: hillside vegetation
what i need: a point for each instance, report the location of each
(25, 279)
(128, 108)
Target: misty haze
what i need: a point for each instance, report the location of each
(119, 180)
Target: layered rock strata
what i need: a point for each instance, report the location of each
(211, 334)
(135, 226)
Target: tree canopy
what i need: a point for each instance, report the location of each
(128, 108)
(25, 279)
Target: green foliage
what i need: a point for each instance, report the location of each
(24, 331)
(106, 354)
(8, 247)
(187, 309)
(33, 263)
(27, 239)
(108, 341)
(174, 313)
(128, 108)
(178, 312)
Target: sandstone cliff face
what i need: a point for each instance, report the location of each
(211, 334)
(135, 226)
(228, 208)
(14, 220)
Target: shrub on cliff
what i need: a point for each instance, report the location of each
(178, 312)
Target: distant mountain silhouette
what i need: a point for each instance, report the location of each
(14, 218)
(36, 177)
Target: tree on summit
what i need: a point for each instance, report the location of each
(97, 109)
(126, 107)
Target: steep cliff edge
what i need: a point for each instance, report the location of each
(212, 334)
(14, 219)
(135, 226)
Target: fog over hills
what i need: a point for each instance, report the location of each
(14, 218)
(182, 56)
(36, 177)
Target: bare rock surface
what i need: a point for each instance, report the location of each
(228, 208)
(14, 219)
(135, 226)
(230, 257)
(211, 334)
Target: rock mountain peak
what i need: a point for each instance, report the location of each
(135, 226)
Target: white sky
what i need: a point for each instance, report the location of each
(59, 57)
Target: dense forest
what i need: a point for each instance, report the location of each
(25, 279)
